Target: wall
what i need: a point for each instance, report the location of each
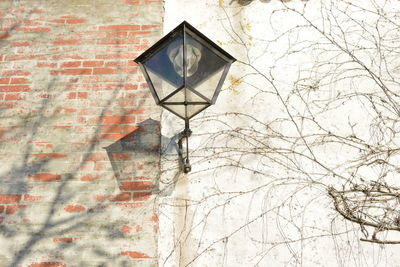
(296, 164)
(79, 133)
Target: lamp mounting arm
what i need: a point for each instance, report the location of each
(185, 134)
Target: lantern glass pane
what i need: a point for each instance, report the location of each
(192, 110)
(185, 95)
(208, 87)
(162, 87)
(179, 110)
(203, 64)
(177, 97)
(186, 111)
(165, 67)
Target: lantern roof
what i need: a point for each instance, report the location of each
(180, 28)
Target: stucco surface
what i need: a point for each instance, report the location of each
(298, 126)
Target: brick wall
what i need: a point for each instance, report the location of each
(79, 133)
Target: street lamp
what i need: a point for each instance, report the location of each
(185, 71)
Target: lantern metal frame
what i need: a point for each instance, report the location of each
(185, 29)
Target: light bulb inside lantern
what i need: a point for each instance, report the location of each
(193, 56)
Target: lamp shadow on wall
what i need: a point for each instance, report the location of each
(135, 159)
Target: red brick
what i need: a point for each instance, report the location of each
(5, 35)
(8, 105)
(114, 128)
(75, 21)
(125, 196)
(101, 197)
(46, 65)
(132, 2)
(14, 208)
(72, 95)
(74, 208)
(31, 198)
(118, 55)
(69, 17)
(16, 57)
(135, 254)
(63, 240)
(120, 28)
(48, 264)
(59, 57)
(147, 27)
(127, 102)
(45, 177)
(136, 186)
(129, 70)
(14, 97)
(139, 111)
(70, 110)
(17, 10)
(130, 86)
(70, 64)
(140, 47)
(93, 63)
(25, 43)
(116, 41)
(78, 95)
(15, 88)
(119, 119)
(82, 71)
(98, 71)
(132, 63)
(121, 156)
(141, 196)
(154, 218)
(50, 155)
(115, 64)
(66, 42)
(126, 229)
(89, 177)
(117, 34)
(62, 127)
(32, 23)
(59, 21)
(135, 35)
(2, 209)
(82, 95)
(97, 157)
(37, 29)
(16, 73)
(99, 166)
(20, 81)
(8, 199)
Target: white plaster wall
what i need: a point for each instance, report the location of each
(265, 201)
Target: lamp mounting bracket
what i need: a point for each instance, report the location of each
(184, 160)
